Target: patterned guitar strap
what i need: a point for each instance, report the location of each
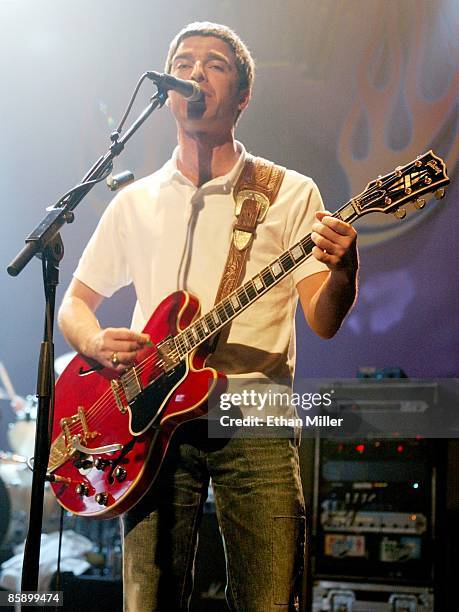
(254, 192)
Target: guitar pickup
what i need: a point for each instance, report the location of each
(169, 354)
(131, 384)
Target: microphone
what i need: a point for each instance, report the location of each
(188, 89)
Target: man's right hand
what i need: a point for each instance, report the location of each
(115, 347)
(112, 347)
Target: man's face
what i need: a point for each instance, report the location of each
(210, 62)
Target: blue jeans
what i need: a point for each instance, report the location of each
(260, 511)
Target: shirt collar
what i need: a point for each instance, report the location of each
(227, 181)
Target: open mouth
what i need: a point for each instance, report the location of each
(196, 109)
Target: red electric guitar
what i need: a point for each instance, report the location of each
(111, 431)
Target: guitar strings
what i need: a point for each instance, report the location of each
(107, 400)
(106, 403)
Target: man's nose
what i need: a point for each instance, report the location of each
(198, 74)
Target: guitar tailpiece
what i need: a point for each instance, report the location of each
(110, 448)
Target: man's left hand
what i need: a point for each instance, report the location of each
(336, 243)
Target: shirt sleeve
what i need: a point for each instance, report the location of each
(103, 266)
(302, 212)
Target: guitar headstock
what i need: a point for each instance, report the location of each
(425, 174)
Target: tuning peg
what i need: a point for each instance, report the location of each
(400, 213)
(440, 193)
(419, 203)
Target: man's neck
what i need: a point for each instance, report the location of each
(202, 157)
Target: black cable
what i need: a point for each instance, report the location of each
(131, 102)
(60, 202)
(57, 582)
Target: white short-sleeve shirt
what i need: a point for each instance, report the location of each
(162, 233)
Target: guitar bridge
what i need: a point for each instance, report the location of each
(116, 390)
(81, 418)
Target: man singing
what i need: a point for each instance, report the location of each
(172, 230)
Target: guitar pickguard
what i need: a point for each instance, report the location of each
(146, 409)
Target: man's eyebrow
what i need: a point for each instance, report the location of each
(182, 56)
(212, 55)
(217, 56)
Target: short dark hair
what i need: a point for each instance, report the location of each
(245, 64)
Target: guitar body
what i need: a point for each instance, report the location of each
(92, 408)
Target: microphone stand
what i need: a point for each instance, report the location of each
(45, 242)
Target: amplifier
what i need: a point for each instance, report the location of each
(373, 509)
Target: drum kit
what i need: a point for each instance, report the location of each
(15, 473)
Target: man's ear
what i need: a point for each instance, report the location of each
(244, 99)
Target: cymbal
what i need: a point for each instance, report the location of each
(61, 362)
(10, 458)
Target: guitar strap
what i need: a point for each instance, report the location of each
(254, 192)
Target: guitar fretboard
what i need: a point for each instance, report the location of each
(241, 298)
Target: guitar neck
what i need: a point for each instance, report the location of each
(241, 298)
(425, 174)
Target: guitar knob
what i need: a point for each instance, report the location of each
(120, 473)
(100, 464)
(400, 213)
(440, 193)
(82, 489)
(419, 203)
(102, 498)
